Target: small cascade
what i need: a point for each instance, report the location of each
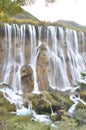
(76, 100)
(12, 97)
(52, 113)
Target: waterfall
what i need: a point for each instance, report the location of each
(34, 55)
(75, 59)
(58, 76)
(65, 50)
(8, 60)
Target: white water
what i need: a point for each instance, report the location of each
(76, 100)
(58, 75)
(76, 61)
(12, 97)
(23, 111)
(34, 56)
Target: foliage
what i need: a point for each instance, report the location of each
(5, 3)
(15, 14)
(83, 74)
(70, 25)
(70, 123)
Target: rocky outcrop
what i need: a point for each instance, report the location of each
(46, 100)
(43, 68)
(5, 106)
(27, 78)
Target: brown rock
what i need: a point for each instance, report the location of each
(27, 80)
(42, 68)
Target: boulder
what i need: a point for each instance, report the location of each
(48, 101)
(27, 80)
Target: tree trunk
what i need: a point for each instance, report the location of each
(3, 4)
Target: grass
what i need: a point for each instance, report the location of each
(13, 122)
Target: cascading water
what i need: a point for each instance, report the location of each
(15, 55)
(58, 76)
(76, 61)
(34, 55)
(63, 52)
(8, 60)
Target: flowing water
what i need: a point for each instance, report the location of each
(65, 49)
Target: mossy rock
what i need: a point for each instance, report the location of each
(42, 103)
(39, 104)
(82, 86)
(83, 94)
(63, 101)
(5, 106)
(80, 115)
(83, 74)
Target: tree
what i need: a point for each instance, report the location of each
(6, 3)
(23, 2)
(3, 3)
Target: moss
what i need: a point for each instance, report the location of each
(13, 122)
(63, 101)
(48, 96)
(41, 103)
(5, 106)
(82, 86)
(83, 74)
(83, 93)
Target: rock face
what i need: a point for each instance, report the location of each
(43, 68)
(27, 78)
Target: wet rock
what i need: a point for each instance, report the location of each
(4, 85)
(84, 121)
(43, 68)
(27, 78)
(57, 116)
(46, 100)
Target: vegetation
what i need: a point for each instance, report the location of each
(70, 25)
(4, 4)
(13, 122)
